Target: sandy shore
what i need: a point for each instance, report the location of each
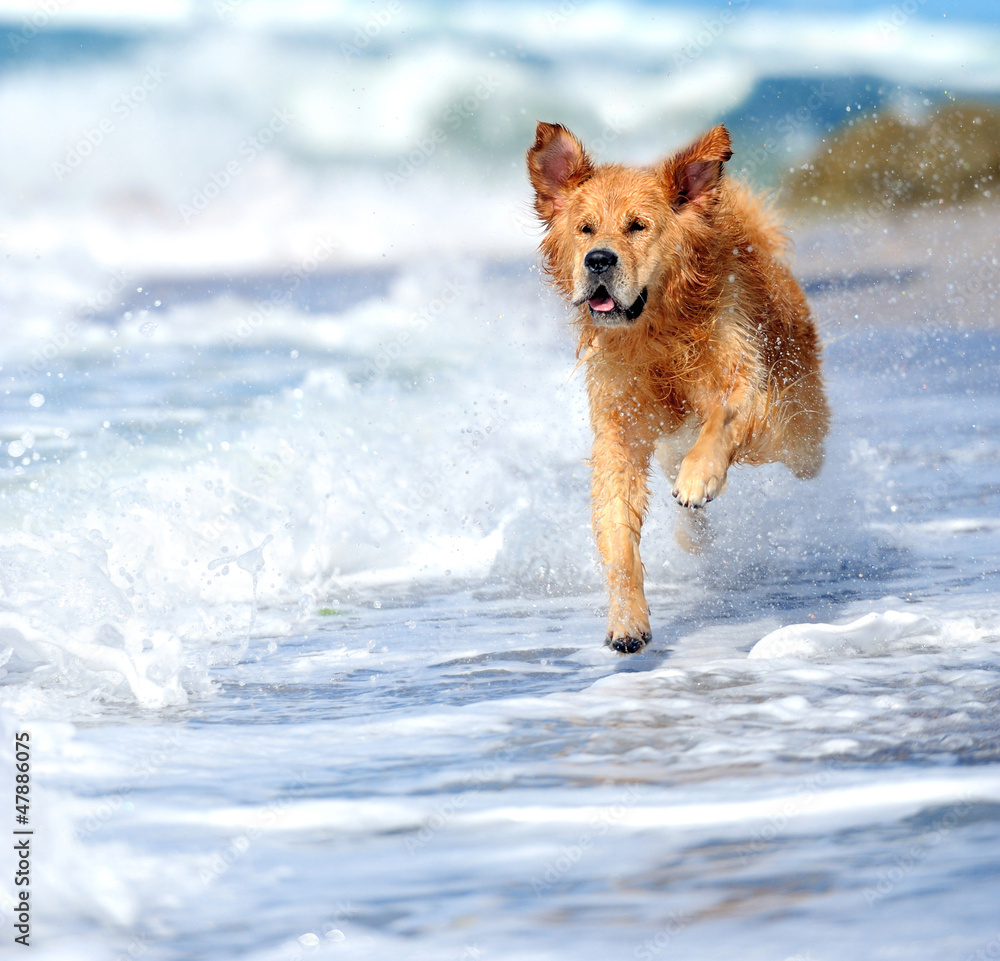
(927, 268)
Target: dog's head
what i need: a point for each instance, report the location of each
(611, 230)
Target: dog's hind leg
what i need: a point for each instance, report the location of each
(804, 422)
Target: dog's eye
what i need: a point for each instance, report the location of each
(586, 229)
(636, 225)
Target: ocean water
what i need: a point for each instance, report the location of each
(300, 605)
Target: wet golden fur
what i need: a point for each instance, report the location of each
(696, 338)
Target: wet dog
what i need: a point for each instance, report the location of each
(696, 338)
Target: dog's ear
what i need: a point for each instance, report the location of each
(693, 175)
(556, 164)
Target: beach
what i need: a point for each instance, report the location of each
(300, 603)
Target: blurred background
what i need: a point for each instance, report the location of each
(187, 138)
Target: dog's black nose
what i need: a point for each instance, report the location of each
(598, 261)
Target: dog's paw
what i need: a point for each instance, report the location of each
(627, 644)
(697, 484)
(628, 631)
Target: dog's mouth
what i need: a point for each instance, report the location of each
(602, 302)
(605, 309)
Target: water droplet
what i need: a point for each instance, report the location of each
(253, 560)
(15, 448)
(36, 400)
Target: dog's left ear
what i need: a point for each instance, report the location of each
(556, 164)
(694, 174)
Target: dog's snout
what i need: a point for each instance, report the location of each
(598, 261)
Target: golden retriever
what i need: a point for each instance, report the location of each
(696, 338)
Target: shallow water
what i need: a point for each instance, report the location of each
(447, 760)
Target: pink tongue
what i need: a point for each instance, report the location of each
(602, 304)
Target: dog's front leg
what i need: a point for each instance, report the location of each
(620, 466)
(702, 475)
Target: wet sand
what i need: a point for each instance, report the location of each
(931, 269)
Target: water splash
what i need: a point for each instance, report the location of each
(252, 561)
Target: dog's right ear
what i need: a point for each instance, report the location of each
(556, 164)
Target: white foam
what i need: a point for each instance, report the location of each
(484, 810)
(873, 635)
